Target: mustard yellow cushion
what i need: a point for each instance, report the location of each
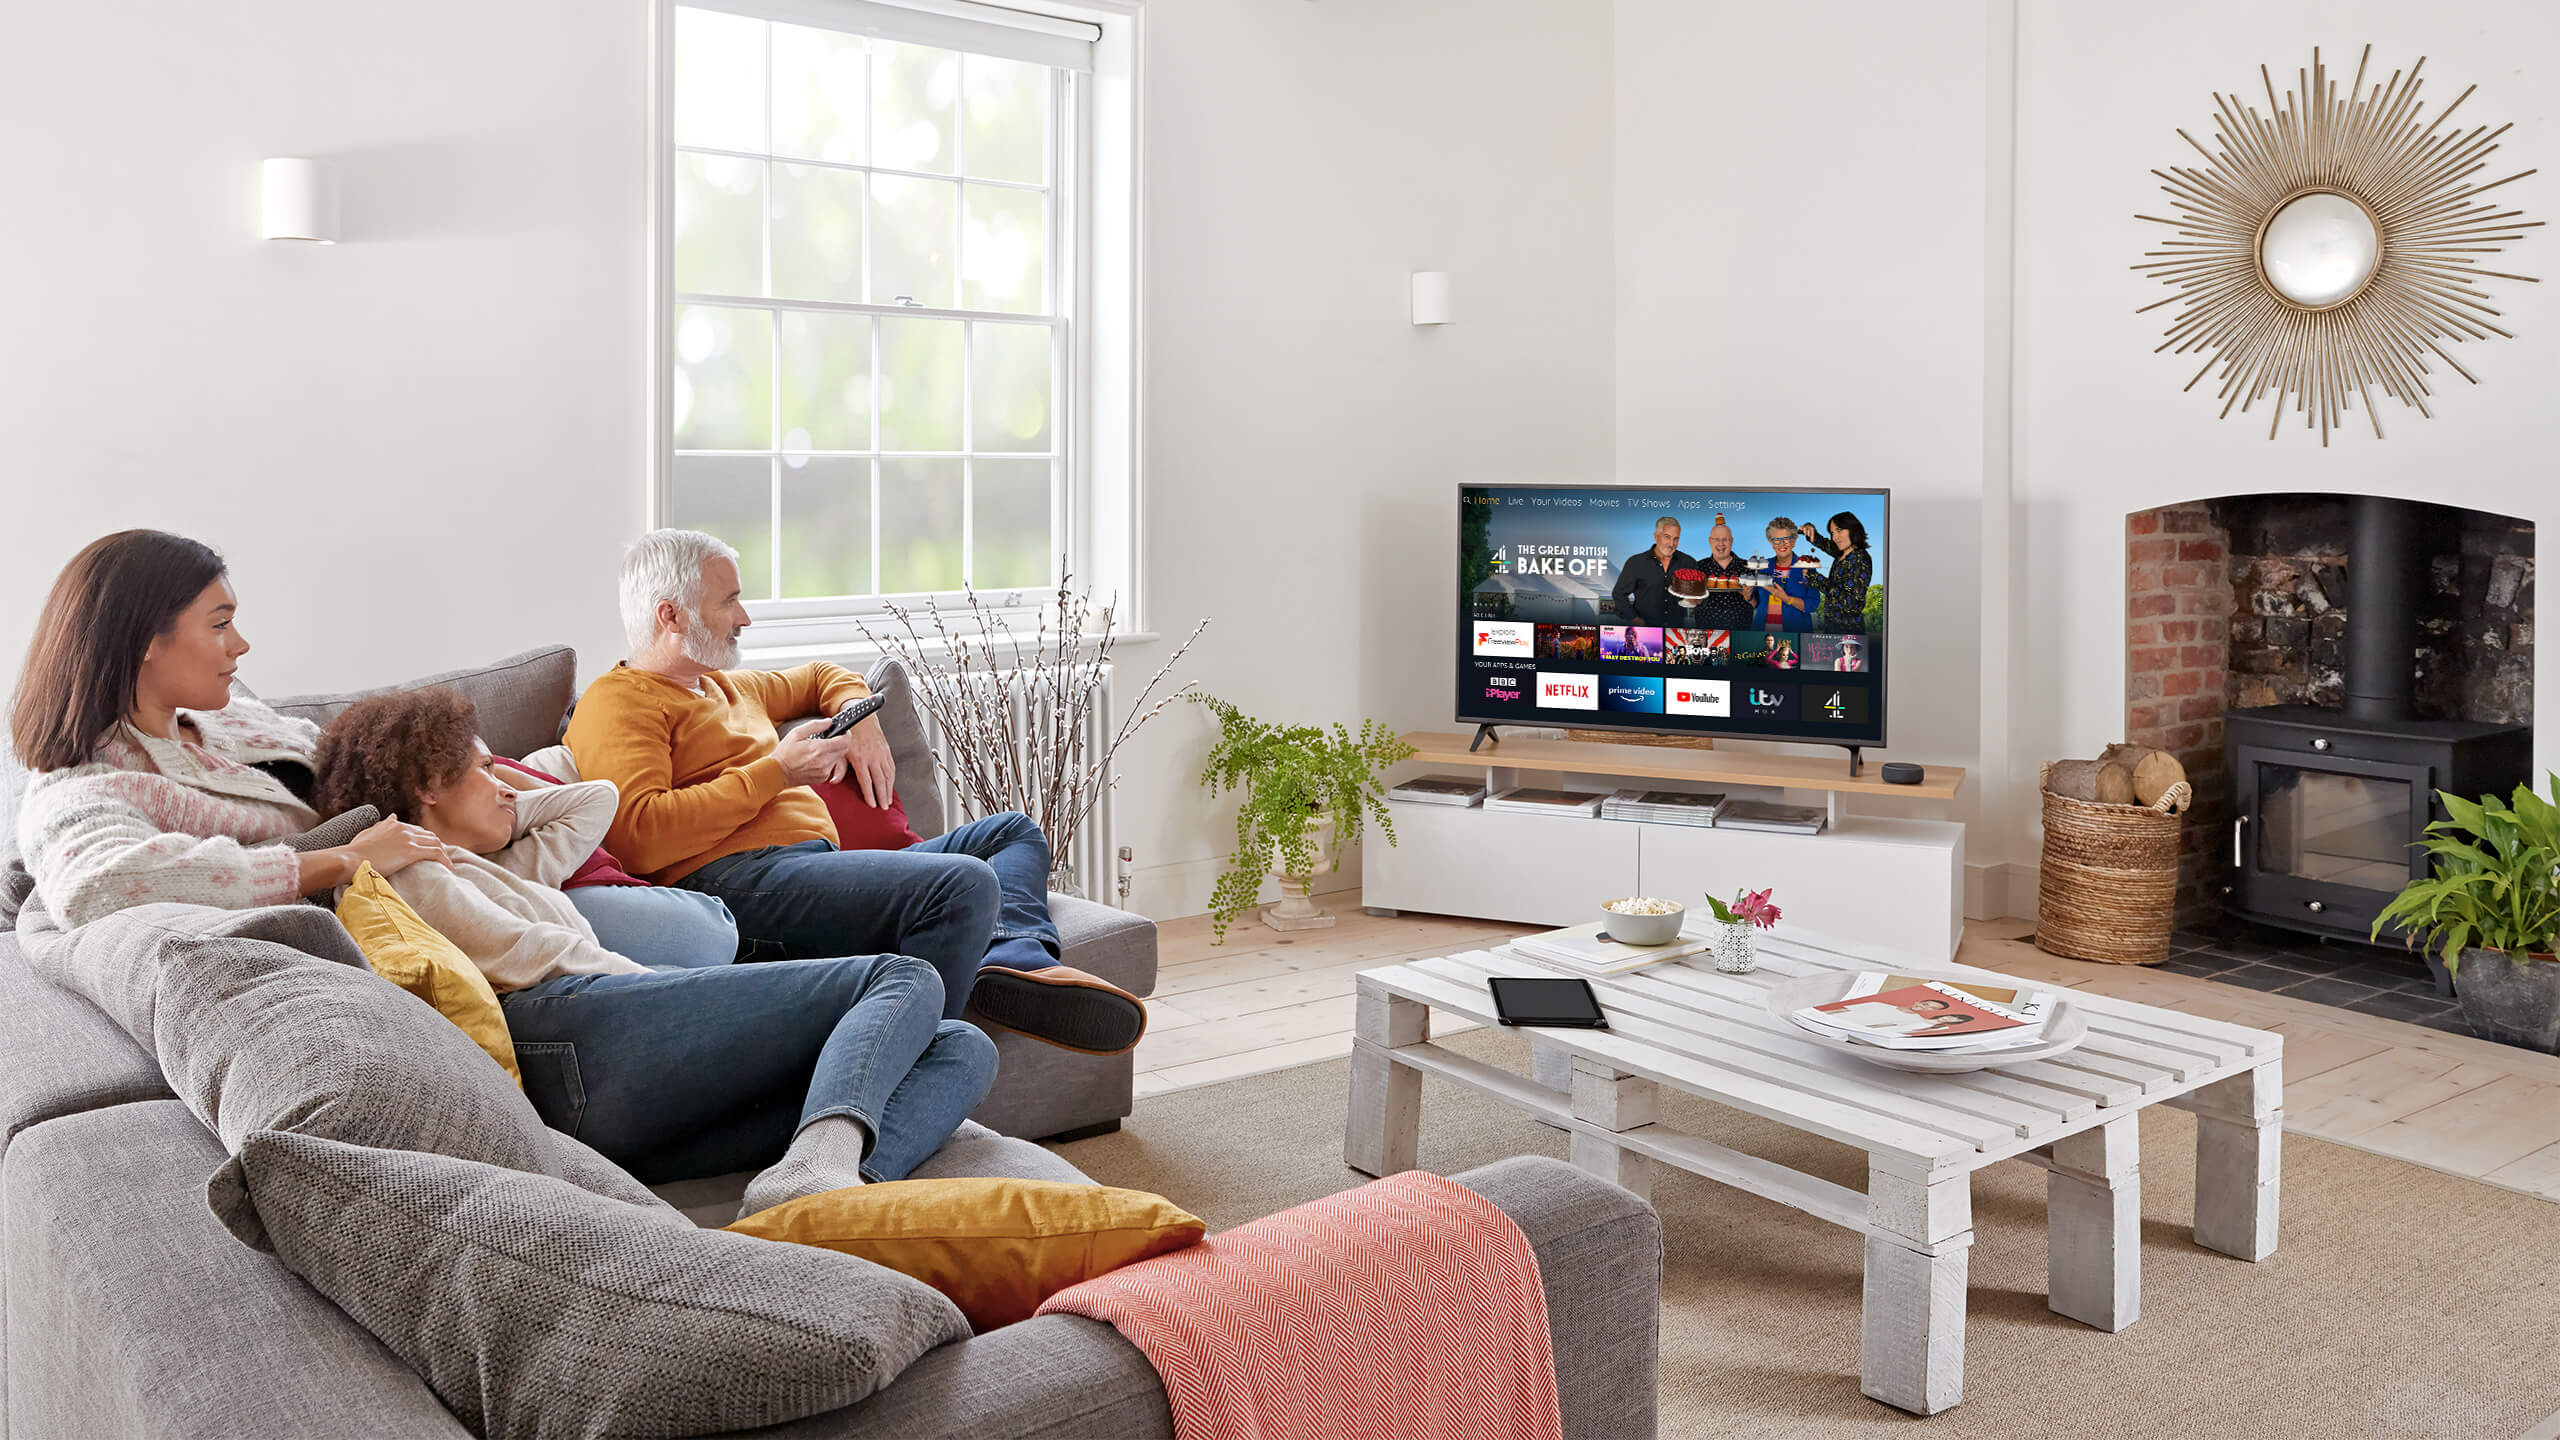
(996, 1247)
(408, 952)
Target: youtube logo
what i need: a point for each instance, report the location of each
(1568, 692)
(1504, 637)
(1698, 697)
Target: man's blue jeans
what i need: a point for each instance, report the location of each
(677, 1074)
(978, 895)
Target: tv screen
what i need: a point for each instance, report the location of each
(1743, 612)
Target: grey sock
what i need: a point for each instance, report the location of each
(825, 1155)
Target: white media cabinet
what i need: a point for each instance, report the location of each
(1892, 882)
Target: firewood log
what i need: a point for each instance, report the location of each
(2154, 771)
(2094, 780)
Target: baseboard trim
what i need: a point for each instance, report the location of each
(1170, 892)
(1999, 890)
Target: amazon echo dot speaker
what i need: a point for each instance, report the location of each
(1902, 772)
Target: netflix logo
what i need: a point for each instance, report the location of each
(1568, 692)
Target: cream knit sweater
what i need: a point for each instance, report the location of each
(187, 820)
(505, 909)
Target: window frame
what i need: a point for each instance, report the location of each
(834, 624)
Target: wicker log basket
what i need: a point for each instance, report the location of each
(2108, 888)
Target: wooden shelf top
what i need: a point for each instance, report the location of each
(1654, 762)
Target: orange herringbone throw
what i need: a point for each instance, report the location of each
(1408, 1307)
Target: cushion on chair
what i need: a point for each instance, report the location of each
(902, 724)
(533, 1308)
(520, 698)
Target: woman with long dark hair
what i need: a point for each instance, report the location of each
(151, 782)
(1843, 610)
(148, 780)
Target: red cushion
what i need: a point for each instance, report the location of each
(598, 869)
(865, 827)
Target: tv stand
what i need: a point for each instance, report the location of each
(1483, 733)
(1884, 880)
(1853, 759)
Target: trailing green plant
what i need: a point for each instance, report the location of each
(2494, 883)
(1291, 775)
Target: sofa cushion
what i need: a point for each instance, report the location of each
(997, 1247)
(521, 699)
(902, 725)
(63, 1054)
(973, 1149)
(533, 1308)
(410, 953)
(339, 829)
(132, 1314)
(256, 1030)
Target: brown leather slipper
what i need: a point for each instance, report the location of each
(1060, 1006)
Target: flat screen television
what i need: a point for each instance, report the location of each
(1702, 610)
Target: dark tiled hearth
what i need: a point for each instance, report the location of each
(2369, 979)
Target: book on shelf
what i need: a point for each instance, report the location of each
(1441, 790)
(1528, 800)
(1663, 807)
(1764, 815)
(1587, 949)
(1903, 1012)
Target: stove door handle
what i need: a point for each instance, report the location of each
(2239, 855)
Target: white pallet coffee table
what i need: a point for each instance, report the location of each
(1708, 1034)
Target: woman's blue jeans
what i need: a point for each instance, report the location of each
(682, 1073)
(657, 925)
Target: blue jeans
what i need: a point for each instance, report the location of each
(677, 1074)
(657, 925)
(978, 895)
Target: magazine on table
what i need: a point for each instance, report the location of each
(1441, 790)
(1588, 949)
(1529, 800)
(1900, 1012)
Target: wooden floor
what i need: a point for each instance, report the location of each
(1266, 1001)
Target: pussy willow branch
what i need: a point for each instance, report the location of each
(1012, 710)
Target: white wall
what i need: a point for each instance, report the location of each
(2105, 429)
(1305, 441)
(1800, 197)
(420, 447)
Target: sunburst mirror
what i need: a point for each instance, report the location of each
(2331, 248)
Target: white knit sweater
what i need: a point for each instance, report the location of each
(149, 820)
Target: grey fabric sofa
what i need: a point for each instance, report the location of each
(131, 1312)
(1041, 1091)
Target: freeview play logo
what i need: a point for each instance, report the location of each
(1568, 692)
(1504, 637)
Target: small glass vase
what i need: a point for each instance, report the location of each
(1733, 948)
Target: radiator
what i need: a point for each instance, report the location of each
(1090, 853)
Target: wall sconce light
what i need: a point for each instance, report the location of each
(297, 202)
(1431, 297)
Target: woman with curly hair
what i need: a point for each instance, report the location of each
(845, 1067)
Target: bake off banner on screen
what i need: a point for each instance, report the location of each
(1660, 602)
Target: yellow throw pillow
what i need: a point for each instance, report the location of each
(408, 952)
(996, 1247)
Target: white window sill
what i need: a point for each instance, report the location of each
(856, 652)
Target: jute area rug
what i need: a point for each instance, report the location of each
(2400, 1302)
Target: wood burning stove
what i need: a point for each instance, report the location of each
(2327, 804)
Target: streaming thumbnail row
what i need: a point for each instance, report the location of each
(1673, 695)
(1648, 645)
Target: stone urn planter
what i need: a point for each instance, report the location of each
(1295, 911)
(2515, 1001)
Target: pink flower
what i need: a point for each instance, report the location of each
(1754, 906)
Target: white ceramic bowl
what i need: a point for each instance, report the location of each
(2064, 1027)
(1644, 929)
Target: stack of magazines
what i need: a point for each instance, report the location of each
(1903, 1012)
(1588, 950)
(1523, 800)
(1662, 807)
(1763, 815)
(1458, 790)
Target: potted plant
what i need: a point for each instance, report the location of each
(1307, 792)
(1735, 919)
(2491, 907)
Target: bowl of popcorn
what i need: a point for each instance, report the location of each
(1641, 920)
